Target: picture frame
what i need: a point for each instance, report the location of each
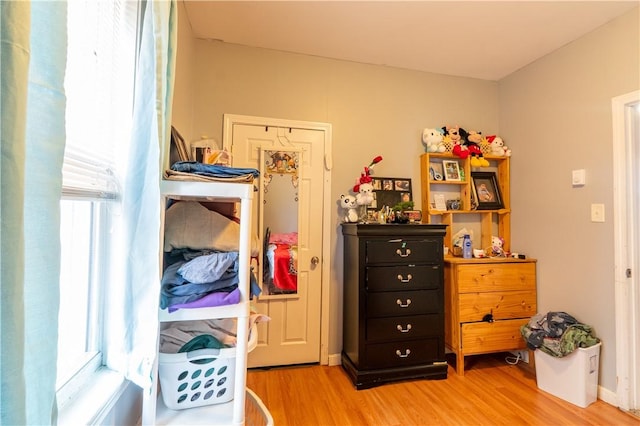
(486, 191)
(179, 143)
(439, 202)
(415, 216)
(435, 172)
(451, 171)
(389, 191)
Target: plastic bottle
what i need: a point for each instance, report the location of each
(466, 247)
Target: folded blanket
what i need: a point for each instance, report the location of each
(188, 224)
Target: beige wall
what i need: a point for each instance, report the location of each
(373, 110)
(556, 115)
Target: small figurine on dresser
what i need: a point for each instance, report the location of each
(496, 249)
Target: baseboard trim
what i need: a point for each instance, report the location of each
(335, 359)
(607, 396)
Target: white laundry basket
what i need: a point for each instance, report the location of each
(200, 377)
(573, 378)
(196, 378)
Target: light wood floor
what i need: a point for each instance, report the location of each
(491, 392)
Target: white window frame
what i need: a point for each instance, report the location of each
(86, 396)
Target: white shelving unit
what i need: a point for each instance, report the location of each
(233, 412)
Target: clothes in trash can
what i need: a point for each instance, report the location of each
(557, 334)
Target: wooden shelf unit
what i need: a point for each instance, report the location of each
(464, 189)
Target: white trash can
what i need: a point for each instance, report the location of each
(573, 378)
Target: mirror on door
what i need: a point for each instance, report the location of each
(278, 221)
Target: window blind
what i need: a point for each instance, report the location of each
(98, 82)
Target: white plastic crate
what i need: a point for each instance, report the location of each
(573, 378)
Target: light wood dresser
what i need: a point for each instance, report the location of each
(486, 303)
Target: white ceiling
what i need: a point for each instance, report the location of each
(480, 39)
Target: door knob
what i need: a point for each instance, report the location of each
(315, 260)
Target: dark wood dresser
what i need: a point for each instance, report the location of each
(393, 303)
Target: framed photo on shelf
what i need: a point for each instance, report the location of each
(439, 202)
(486, 191)
(451, 170)
(435, 171)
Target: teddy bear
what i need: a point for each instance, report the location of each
(348, 202)
(498, 147)
(432, 139)
(364, 187)
(472, 140)
(364, 197)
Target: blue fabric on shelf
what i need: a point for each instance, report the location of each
(213, 170)
(175, 289)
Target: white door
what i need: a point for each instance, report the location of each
(292, 336)
(626, 141)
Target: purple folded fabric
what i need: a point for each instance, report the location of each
(210, 300)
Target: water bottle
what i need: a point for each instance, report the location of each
(466, 246)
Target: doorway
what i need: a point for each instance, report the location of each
(289, 219)
(626, 152)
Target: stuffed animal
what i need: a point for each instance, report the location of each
(498, 147)
(432, 139)
(363, 187)
(496, 249)
(452, 135)
(472, 141)
(364, 197)
(348, 202)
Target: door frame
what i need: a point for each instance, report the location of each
(627, 294)
(232, 119)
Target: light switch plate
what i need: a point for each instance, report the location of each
(578, 177)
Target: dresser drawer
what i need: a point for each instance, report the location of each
(405, 251)
(403, 277)
(503, 305)
(406, 327)
(496, 277)
(482, 337)
(395, 303)
(402, 353)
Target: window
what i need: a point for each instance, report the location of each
(99, 84)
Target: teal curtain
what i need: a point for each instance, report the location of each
(135, 343)
(33, 37)
(33, 58)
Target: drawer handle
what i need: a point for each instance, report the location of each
(401, 355)
(405, 305)
(404, 280)
(407, 252)
(404, 330)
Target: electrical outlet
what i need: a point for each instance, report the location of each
(597, 212)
